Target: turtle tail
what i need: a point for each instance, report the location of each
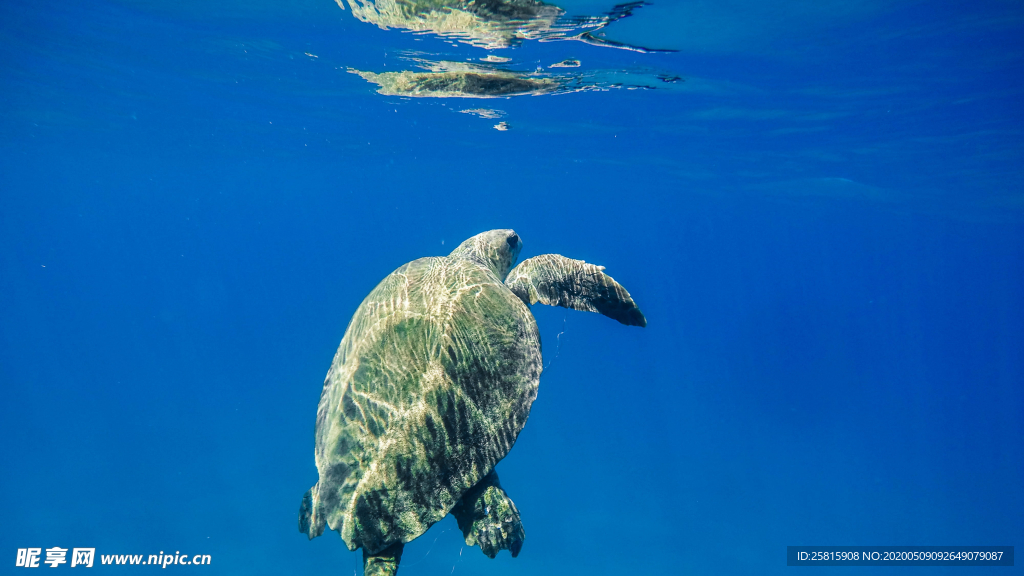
(311, 520)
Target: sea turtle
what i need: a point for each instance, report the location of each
(429, 389)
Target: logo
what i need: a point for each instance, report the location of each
(29, 557)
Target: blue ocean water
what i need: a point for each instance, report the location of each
(818, 206)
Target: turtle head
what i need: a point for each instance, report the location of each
(495, 249)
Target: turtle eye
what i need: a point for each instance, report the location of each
(513, 241)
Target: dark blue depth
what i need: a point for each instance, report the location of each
(823, 223)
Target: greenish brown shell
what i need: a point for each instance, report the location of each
(429, 389)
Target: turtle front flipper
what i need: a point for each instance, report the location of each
(555, 280)
(383, 563)
(489, 518)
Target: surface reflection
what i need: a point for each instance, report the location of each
(491, 24)
(448, 79)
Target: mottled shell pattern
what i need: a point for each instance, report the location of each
(429, 389)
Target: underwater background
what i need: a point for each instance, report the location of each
(819, 206)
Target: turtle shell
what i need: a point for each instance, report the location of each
(429, 389)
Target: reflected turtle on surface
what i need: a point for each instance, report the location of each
(429, 389)
(490, 24)
(446, 79)
(458, 80)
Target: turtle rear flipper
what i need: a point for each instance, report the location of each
(555, 280)
(310, 523)
(489, 518)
